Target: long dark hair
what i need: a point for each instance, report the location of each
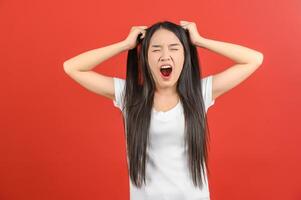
(138, 103)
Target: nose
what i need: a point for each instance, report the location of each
(165, 55)
(164, 59)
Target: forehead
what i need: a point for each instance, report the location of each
(163, 36)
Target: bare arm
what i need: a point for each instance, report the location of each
(88, 60)
(248, 60)
(79, 68)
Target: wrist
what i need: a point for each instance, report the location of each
(201, 41)
(124, 45)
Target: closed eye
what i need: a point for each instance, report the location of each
(171, 49)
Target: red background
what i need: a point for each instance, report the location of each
(60, 141)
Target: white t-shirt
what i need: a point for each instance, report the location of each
(167, 172)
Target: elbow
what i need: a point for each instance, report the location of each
(66, 67)
(259, 59)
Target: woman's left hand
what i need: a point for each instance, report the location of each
(195, 37)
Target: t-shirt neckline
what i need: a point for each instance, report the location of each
(168, 111)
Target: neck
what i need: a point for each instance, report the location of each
(166, 92)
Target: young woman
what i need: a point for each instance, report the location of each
(164, 102)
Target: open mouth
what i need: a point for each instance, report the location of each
(166, 70)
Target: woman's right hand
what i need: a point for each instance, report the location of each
(131, 39)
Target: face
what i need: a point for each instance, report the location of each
(165, 48)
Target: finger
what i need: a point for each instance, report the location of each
(142, 31)
(183, 22)
(142, 36)
(184, 25)
(143, 27)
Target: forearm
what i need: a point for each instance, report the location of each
(237, 53)
(89, 59)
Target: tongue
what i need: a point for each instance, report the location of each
(166, 72)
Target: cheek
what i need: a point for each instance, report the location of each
(153, 61)
(179, 61)
(152, 65)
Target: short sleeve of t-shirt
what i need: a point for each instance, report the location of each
(119, 88)
(206, 90)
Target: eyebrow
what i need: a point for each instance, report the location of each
(174, 44)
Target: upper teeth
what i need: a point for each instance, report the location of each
(165, 66)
